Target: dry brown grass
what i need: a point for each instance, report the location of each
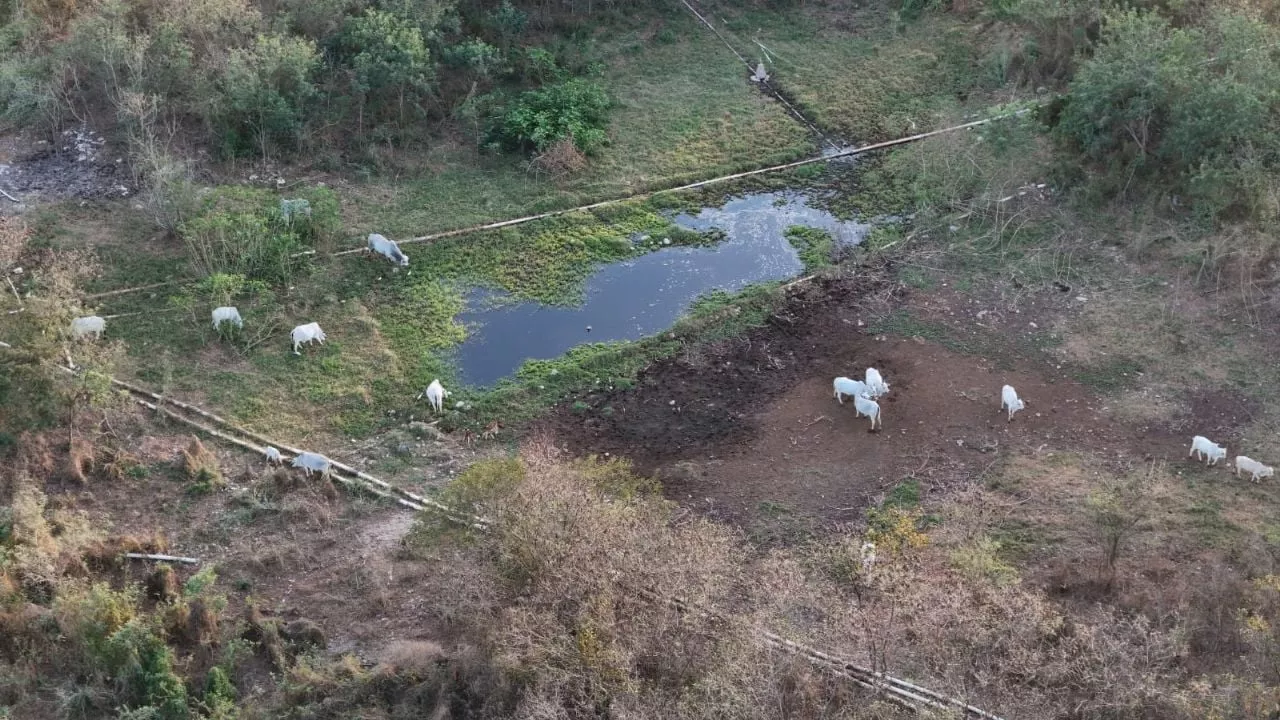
(201, 466)
(14, 235)
(561, 160)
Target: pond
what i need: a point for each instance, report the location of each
(644, 296)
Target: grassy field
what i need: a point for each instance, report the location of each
(862, 76)
(685, 111)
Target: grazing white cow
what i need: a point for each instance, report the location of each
(313, 463)
(876, 384)
(1009, 399)
(388, 249)
(870, 408)
(1202, 447)
(89, 325)
(273, 456)
(306, 334)
(852, 388)
(435, 394)
(226, 314)
(1253, 467)
(868, 553)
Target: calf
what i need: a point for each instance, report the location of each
(876, 384)
(870, 408)
(852, 388)
(1253, 467)
(1202, 447)
(1009, 399)
(435, 394)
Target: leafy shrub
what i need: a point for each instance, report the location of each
(1188, 108)
(477, 57)
(265, 92)
(240, 231)
(508, 22)
(576, 109)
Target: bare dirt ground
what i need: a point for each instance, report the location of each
(750, 427)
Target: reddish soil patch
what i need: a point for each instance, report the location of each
(752, 425)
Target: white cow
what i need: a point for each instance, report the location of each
(876, 384)
(868, 553)
(1253, 467)
(388, 249)
(870, 408)
(313, 463)
(1009, 399)
(226, 314)
(89, 325)
(435, 394)
(1202, 447)
(306, 334)
(273, 456)
(852, 388)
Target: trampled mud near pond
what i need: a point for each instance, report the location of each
(752, 422)
(646, 295)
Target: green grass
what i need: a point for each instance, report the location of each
(813, 245)
(857, 74)
(685, 111)
(389, 333)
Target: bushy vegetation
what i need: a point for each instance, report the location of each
(269, 81)
(1186, 110)
(240, 231)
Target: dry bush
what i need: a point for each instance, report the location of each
(162, 584)
(77, 464)
(416, 657)
(560, 160)
(576, 552)
(118, 464)
(14, 235)
(201, 466)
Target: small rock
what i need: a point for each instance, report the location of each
(1033, 325)
(672, 402)
(1080, 298)
(666, 241)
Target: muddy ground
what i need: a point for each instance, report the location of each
(749, 428)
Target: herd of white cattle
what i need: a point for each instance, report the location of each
(865, 393)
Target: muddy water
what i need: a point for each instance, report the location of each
(644, 296)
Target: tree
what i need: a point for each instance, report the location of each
(388, 59)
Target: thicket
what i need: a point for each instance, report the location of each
(1185, 110)
(269, 80)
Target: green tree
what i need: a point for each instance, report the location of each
(388, 58)
(265, 91)
(576, 109)
(1190, 108)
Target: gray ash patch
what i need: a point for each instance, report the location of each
(73, 167)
